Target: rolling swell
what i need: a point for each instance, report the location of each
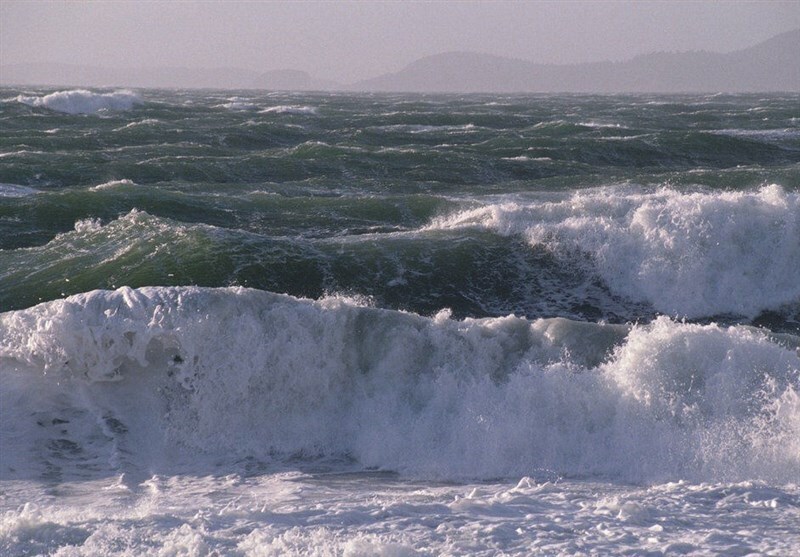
(618, 254)
(168, 137)
(479, 273)
(159, 379)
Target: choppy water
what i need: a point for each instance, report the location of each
(266, 323)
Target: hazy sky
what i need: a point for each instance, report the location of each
(347, 41)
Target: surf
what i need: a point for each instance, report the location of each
(688, 254)
(164, 379)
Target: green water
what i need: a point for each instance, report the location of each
(315, 194)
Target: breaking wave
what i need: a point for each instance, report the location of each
(149, 378)
(81, 101)
(687, 254)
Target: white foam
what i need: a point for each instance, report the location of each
(523, 158)
(320, 515)
(416, 129)
(236, 373)
(289, 109)
(87, 225)
(687, 254)
(145, 122)
(21, 152)
(239, 104)
(601, 125)
(81, 101)
(112, 184)
(769, 134)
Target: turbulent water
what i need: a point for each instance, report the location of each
(264, 324)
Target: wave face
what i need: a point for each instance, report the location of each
(81, 101)
(158, 378)
(613, 254)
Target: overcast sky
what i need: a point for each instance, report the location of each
(346, 41)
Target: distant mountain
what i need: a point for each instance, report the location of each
(773, 65)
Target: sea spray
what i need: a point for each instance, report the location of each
(210, 373)
(688, 254)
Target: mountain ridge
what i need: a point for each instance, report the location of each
(771, 65)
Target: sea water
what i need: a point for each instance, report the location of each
(250, 323)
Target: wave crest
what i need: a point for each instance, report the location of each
(289, 109)
(687, 254)
(81, 101)
(219, 373)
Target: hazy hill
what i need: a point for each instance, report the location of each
(773, 65)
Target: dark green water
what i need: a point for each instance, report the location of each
(610, 208)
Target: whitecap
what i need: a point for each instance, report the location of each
(112, 184)
(601, 125)
(523, 158)
(145, 122)
(289, 109)
(768, 134)
(82, 101)
(686, 254)
(239, 105)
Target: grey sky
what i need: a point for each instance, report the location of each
(347, 41)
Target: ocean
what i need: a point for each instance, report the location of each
(249, 323)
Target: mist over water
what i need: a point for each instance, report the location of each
(398, 324)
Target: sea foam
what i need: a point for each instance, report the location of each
(239, 104)
(687, 254)
(143, 379)
(81, 101)
(289, 109)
